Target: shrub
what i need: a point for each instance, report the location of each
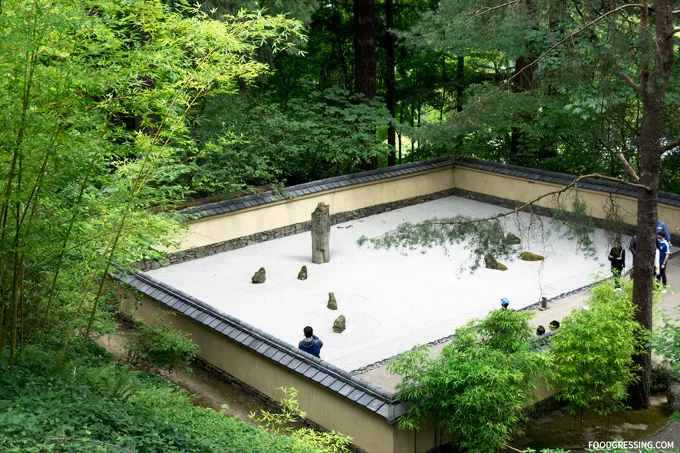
(158, 346)
(667, 343)
(593, 351)
(303, 439)
(476, 390)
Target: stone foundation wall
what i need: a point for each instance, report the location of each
(297, 228)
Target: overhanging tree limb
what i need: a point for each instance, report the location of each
(630, 169)
(562, 41)
(488, 10)
(540, 197)
(628, 80)
(670, 146)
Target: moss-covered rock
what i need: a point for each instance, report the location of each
(528, 256)
(339, 324)
(512, 239)
(332, 303)
(259, 276)
(491, 263)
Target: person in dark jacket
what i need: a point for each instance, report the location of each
(617, 257)
(311, 344)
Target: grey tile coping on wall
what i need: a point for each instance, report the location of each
(599, 185)
(309, 188)
(325, 374)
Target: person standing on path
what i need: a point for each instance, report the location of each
(660, 225)
(311, 344)
(617, 257)
(664, 254)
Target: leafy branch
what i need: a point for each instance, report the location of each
(485, 237)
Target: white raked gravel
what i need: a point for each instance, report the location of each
(391, 301)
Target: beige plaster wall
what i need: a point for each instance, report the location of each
(370, 432)
(245, 222)
(519, 189)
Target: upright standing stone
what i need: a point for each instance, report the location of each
(321, 232)
(332, 303)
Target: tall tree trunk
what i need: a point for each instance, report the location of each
(390, 92)
(460, 83)
(413, 118)
(364, 57)
(443, 100)
(523, 81)
(419, 111)
(401, 120)
(652, 89)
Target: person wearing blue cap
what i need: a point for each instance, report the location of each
(504, 303)
(661, 227)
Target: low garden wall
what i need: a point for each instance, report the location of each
(332, 398)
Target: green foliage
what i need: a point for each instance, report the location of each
(79, 407)
(158, 346)
(666, 343)
(592, 351)
(303, 439)
(97, 99)
(579, 225)
(481, 237)
(476, 390)
(315, 135)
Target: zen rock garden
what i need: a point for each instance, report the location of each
(390, 294)
(321, 228)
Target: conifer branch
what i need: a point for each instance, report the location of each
(670, 146)
(488, 10)
(562, 41)
(540, 197)
(630, 169)
(628, 80)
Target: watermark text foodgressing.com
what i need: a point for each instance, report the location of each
(632, 445)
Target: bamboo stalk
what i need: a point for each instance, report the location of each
(63, 247)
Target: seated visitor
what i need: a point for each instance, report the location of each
(311, 344)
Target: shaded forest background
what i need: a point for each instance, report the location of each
(384, 82)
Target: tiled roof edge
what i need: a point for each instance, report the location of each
(561, 178)
(225, 206)
(356, 389)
